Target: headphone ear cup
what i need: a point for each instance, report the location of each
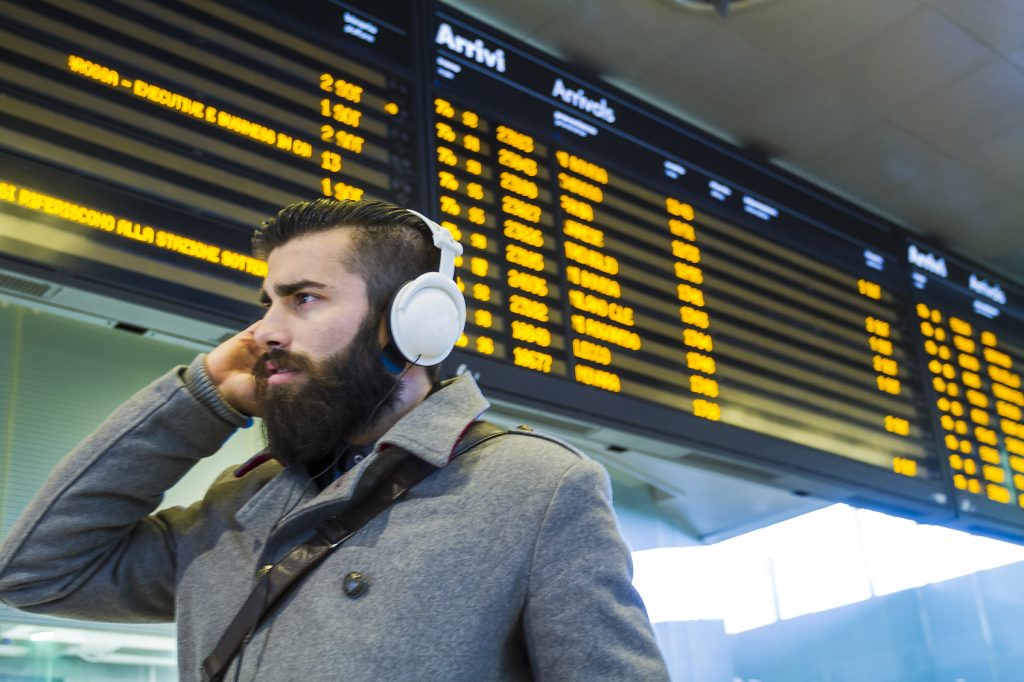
(426, 318)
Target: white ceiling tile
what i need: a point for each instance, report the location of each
(1004, 222)
(938, 201)
(1017, 58)
(914, 55)
(992, 235)
(990, 229)
(518, 18)
(1002, 159)
(719, 67)
(1010, 264)
(804, 32)
(970, 111)
(998, 23)
(629, 42)
(873, 160)
(804, 119)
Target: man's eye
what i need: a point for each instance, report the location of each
(302, 298)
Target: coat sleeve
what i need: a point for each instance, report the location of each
(86, 547)
(583, 619)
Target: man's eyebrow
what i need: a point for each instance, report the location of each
(287, 289)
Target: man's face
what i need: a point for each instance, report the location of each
(320, 380)
(314, 304)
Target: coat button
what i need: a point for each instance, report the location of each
(354, 584)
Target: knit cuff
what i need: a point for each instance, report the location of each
(199, 384)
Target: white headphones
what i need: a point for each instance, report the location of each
(427, 315)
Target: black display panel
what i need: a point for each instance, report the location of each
(970, 337)
(154, 136)
(634, 271)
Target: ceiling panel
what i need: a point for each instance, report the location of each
(1002, 159)
(874, 161)
(805, 32)
(720, 78)
(635, 43)
(997, 23)
(940, 202)
(916, 54)
(807, 117)
(969, 112)
(520, 19)
(1017, 58)
(993, 218)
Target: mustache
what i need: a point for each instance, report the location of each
(279, 359)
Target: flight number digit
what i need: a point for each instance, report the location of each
(443, 107)
(340, 113)
(340, 87)
(531, 359)
(340, 190)
(869, 289)
(527, 307)
(509, 159)
(530, 333)
(522, 186)
(512, 138)
(582, 167)
(446, 156)
(598, 378)
(330, 162)
(702, 385)
(577, 208)
(897, 425)
(705, 409)
(524, 281)
(520, 209)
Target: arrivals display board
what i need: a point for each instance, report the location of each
(634, 270)
(621, 267)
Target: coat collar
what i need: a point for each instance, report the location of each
(429, 431)
(433, 429)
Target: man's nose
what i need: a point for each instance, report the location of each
(271, 331)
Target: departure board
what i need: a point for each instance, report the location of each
(152, 137)
(970, 334)
(599, 254)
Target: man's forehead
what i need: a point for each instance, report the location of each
(319, 256)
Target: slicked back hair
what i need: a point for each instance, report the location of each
(390, 246)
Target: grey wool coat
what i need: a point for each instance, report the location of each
(506, 564)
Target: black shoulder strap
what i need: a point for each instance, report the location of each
(286, 573)
(478, 432)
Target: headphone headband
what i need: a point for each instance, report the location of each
(444, 241)
(427, 315)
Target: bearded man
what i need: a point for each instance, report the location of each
(503, 563)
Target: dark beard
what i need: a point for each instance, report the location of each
(328, 403)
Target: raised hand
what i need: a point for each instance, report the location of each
(230, 368)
